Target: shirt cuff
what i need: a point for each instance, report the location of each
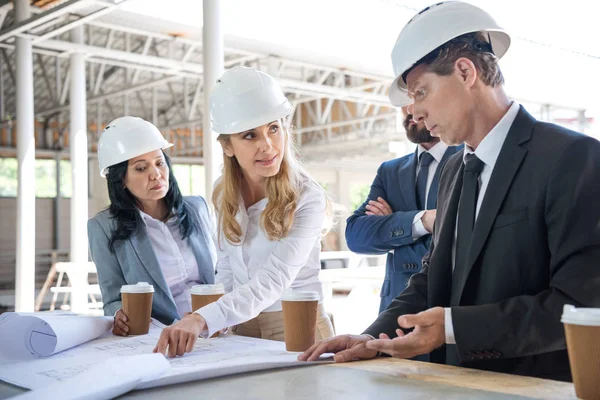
(379, 354)
(448, 327)
(214, 318)
(418, 229)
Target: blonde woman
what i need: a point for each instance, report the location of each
(270, 216)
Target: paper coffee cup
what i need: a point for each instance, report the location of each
(299, 318)
(205, 294)
(582, 330)
(137, 305)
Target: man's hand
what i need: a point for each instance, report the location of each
(378, 207)
(346, 347)
(428, 218)
(428, 335)
(120, 327)
(180, 337)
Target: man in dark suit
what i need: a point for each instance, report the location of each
(517, 235)
(397, 216)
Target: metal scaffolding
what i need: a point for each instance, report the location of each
(160, 78)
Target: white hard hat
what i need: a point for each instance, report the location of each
(245, 98)
(431, 28)
(126, 138)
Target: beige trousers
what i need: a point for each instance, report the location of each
(269, 325)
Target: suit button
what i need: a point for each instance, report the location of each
(405, 266)
(400, 232)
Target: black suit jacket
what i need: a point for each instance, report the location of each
(535, 247)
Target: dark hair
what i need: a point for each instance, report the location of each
(474, 46)
(124, 206)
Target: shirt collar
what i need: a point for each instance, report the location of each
(437, 151)
(146, 218)
(489, 148)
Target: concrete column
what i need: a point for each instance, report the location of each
(25, 268)
(78, 143)
(1, 90)
(342, 197)
(213, 59)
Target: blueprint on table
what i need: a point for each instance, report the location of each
(41, 334)
(224, 355)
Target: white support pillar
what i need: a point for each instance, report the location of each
(79, 166)
(342, 197)
(1, 90)
(25, 268)
(213, 59)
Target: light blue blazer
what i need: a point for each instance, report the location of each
(134, 260)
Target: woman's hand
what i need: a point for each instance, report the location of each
(120, 327)
(179, 338)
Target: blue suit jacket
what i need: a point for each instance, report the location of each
(372, 234)
(134, 260)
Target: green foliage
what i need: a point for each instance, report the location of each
(358, 195)
(45, 178)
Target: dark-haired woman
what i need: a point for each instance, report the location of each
(150, 232)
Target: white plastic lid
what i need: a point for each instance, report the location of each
(140, 287)
(580, 316)
(299, 295)
(208, 289)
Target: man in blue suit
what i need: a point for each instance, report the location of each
(397, 217)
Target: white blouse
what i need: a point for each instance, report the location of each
(256, 272)
(176, 259)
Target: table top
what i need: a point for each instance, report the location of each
(379, 378)
(466, 378)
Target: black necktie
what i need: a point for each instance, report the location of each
(424, 160)
(466, 209)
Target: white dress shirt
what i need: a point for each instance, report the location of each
(256, 273)
(488, 152)
(437, 151)
(176, 259)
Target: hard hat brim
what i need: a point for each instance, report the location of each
(398, 97)
(282, 111)
(104, 171)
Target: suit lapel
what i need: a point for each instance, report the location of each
(142, 246)
(407, 175)
(507, 165)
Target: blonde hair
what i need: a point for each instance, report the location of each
(283, 192)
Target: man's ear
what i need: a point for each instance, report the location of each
(465, 70)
